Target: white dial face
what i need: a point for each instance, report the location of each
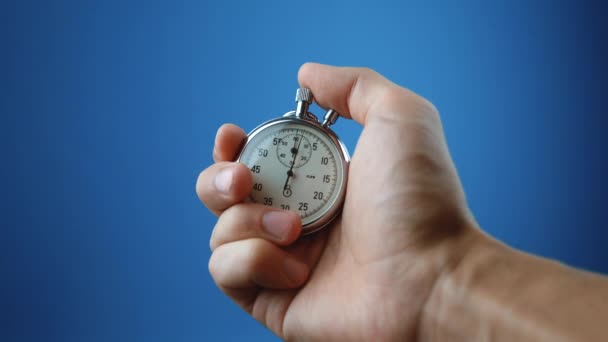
(294, 167)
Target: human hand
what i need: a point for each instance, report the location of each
(368, 275)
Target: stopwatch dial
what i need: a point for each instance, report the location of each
(294, 167)
(292, 144)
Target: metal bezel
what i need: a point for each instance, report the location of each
(311, 121)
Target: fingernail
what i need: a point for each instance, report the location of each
(295, 271)
(277, 224)
(223, 180)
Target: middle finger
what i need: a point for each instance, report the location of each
(251, 220)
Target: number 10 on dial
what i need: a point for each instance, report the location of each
(298, 164)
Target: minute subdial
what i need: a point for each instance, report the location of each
(302, 150)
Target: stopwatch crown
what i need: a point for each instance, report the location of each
(304, 99)
(330, 117)
(304, 95)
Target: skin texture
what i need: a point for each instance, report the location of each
(404, 262)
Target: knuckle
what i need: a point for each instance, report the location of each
(396, 95)
(235, 223)
(232, 261)
(242, 263)
(400, 105)
(220, 232)
(243, 182)
(216, 155)
(202, 184)
(428, 106)
(367, 71)
(404, 98)
(233, 217)
(242, 168)
(213, 240)
(423, 164)
(254, 255)
(214, 265)
(198, 187)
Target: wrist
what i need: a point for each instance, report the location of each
(472, 258)
(497, 293)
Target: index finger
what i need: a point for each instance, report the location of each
(228, 141)
(358, 93)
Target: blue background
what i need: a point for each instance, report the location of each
(109, 111)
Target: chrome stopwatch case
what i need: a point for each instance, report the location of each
(298, 164)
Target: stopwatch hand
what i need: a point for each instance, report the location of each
(289, 173)
(294, 151)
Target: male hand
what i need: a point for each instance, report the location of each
(368, 276)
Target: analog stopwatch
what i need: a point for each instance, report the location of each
(298, 164)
